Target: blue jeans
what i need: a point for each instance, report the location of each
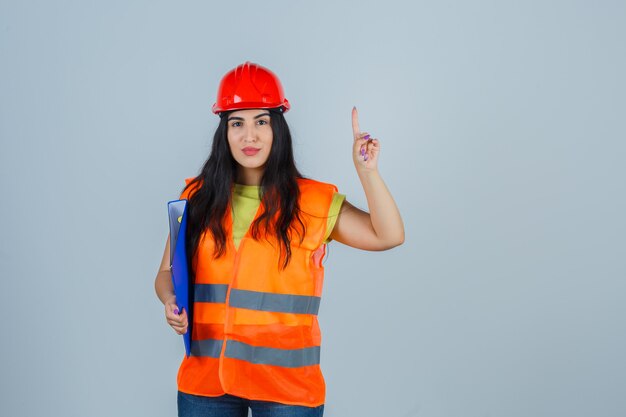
(230, 406)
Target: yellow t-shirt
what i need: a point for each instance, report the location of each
(246, 201)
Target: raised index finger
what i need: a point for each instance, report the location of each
(355, 122)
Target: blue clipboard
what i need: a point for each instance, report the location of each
(177, 211)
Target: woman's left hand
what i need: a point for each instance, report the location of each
(365, 149)
(382, 227)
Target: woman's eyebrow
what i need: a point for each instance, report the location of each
(241, 118)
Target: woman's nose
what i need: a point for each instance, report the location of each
(250, 134)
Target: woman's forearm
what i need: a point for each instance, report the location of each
(384, 214)
(163, 286)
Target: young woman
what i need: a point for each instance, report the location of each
(256, 238)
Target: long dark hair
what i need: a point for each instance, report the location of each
(280, 216)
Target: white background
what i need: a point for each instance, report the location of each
(503, 141)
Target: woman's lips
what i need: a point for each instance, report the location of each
(250, 151)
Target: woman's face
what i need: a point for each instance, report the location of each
(250, 138)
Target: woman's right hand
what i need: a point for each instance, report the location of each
(178, 321)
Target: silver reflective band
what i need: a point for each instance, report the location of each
(280, 303)
(288, 358)
(210, 293)
(208, 347)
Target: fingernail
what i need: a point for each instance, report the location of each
(366, 137)
(176, 311)
(362, 151)
(365, 157)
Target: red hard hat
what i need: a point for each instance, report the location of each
(250, 86)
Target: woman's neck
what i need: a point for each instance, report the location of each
(250, 176)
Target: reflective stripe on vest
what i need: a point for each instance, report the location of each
(279, 303)
(208, 347)
(288, 358)
(256, 300)
(210, 293)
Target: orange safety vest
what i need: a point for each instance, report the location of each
(255, 330)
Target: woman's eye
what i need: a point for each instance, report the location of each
(262, 122)
(236, 124)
